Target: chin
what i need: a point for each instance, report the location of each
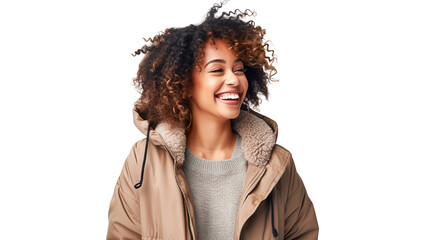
(232, 114)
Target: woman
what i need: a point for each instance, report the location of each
(209, 167)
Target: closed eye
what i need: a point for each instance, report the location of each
(216, 70)
(241, 70)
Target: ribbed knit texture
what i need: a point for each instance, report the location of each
(216, 188)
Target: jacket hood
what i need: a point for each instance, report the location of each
(258, 135)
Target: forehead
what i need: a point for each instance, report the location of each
(218, 50)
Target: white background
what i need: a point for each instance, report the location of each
(351, 105)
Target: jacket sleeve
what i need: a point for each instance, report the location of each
(124, 212)
(300, 218)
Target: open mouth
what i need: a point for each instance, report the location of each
(228, 98)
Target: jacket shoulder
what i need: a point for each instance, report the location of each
(281, 154)
(137, 148)
(132, 166)
(281, 150)
(290, 178)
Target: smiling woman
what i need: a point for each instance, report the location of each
(219, 89)
(211, 166)
(166, 71)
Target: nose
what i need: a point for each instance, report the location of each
(231, 79)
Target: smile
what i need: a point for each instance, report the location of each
(230, 99)
(233, 96)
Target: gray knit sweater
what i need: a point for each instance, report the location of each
(216, 188)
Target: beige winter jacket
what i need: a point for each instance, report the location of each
(162, 208)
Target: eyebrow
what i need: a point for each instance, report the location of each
(221, 61)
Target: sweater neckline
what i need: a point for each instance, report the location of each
(216, 166)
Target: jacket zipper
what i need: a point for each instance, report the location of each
(182, 193)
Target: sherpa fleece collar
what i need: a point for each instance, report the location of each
(258, 136)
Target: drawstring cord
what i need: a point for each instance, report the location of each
(274, 232)
(139, 184)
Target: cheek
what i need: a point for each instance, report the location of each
(209, 84)
(244, 84)
(204, 86)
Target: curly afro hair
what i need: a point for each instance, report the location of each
(164, 76)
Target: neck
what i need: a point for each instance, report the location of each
(211, 139)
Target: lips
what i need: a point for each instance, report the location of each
(231, 94)
(230, 98)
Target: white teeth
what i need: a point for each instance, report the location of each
(229, 96)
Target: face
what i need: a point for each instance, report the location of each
(219, 88)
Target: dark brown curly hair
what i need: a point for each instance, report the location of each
(164, 76)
